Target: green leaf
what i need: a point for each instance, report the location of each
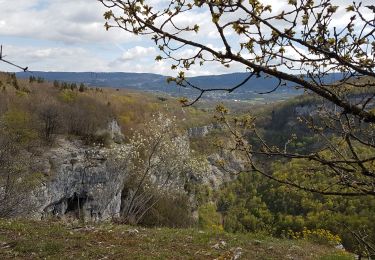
(350, 8)
(107, 15)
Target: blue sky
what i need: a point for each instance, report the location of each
(68, 35)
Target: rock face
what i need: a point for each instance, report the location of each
(85, 182)
(115, 131)
(202, 131)
(199, 131)
(306, 110)
(221, 173)
(80, 181)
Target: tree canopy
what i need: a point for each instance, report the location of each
(303, 43)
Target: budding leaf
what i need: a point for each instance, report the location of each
(107, 15)
(350, 8)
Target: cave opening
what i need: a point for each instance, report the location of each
(75, 205)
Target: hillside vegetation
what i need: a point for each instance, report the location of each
(36, 116)
(51, 240)
(46, 109)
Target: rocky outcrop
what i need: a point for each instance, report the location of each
(223, 167)
(306, 110)
(86, 182)
(313, 109)
(80, 181)
(202, 131)
(115, 131)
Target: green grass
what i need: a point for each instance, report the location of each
(338, 256)
(21, 239)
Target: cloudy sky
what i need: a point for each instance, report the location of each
(68, 35)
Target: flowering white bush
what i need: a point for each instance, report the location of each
(160, 161)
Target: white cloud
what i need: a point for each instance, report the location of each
(80, 59)
(68, 21)
(69, 35)
(54, 59)
(138, 52)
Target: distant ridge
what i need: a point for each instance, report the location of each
(158, 83)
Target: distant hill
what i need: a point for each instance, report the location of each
(158, 83)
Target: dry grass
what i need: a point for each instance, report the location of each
(21, 239)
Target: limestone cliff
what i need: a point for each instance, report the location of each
(219, 172)
(202, 131)
(85, 182)
(80, 181)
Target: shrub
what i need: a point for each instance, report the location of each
(102, 138)
(209, 218)
(321, 236)
(171, 210)
(68, 96)
(18, 125)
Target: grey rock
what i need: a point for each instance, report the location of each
(199, 131)
(81, 182)
(202, 131)
(221, 245)
(237, 252)
(133, 232)
(220, 174)
(115, 131)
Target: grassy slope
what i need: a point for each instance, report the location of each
(50, 240)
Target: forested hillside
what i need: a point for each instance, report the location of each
(254, 203)
(149, 82)
(215, 193)
(186, 129)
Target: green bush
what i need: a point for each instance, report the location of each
(68, 96)
(171, 210)
(18, 126)
(209, 218)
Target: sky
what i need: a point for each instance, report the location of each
(69, 35)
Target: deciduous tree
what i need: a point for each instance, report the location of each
(160, 162)
(302, 44)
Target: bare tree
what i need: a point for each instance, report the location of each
(301, 44)
(16, 183)
(366, 247)
(49, 116)
(9, 62)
